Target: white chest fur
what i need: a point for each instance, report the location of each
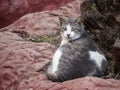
(63, 42)
(97, 57)
(55, 61)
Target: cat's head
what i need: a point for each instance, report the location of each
(71, 29)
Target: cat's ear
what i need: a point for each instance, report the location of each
(62, 19)
(77, 20)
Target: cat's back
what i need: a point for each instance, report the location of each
(83, 44)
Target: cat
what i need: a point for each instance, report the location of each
(77, 56)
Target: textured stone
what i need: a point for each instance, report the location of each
(20, 59)
(46, 22)
(11, 10)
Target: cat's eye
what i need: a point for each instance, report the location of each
(63, 28)
(75, 30)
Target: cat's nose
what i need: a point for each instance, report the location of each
(68, 35)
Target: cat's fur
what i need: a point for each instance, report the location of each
(77, 55)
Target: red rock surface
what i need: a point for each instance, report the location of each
(21, 60)
(23, 63)
(11, 10)
(46, 22)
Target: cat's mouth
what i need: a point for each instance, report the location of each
(69, 37)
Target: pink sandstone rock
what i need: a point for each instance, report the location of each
(11, 10)
(23, 63)
(46, 22)
(21, 59)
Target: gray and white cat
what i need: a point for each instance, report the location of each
(77, 55)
